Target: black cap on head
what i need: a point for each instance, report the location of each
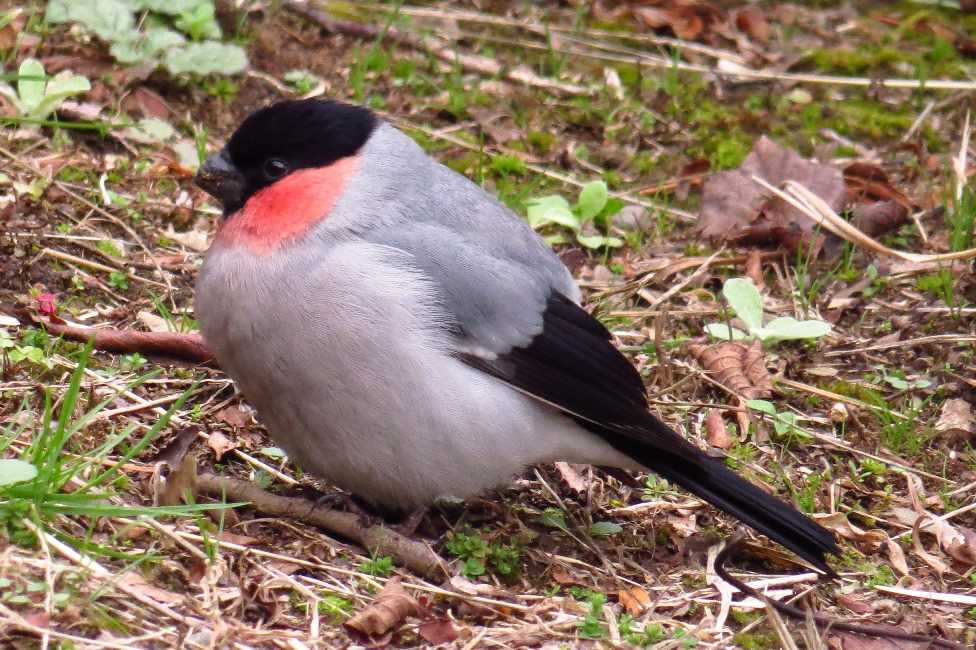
(279, 139)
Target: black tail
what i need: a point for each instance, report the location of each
(712, 481)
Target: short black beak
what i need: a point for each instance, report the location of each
(222, 180)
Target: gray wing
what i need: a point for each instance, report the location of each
(494, 281)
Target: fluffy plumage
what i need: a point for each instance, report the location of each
(416, 339)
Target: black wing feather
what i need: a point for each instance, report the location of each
(574, 366)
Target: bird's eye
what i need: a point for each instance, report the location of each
(275, 168)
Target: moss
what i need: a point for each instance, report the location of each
(756, 640)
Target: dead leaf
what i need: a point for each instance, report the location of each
(854, 604)
(897, 557)
(154, 323)
(738, 366)
(635, 600)
(247, 540)
(174, 470)
(235, 415)
(734, 208)
(195, 240)
(438, 631)
(134, 582)
(390, 608)
(687, 19)
(715, 430)
(147, 103)
(571, 474)
(837, 522)
(752, 21)
(754, 269)
(220, 444)
(956, 422)
(879, 218)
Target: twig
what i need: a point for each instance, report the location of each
(188, 346)
(957, 599)
(823, 621)
(444, 52)
(416, 556)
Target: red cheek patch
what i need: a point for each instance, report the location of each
(288, 208)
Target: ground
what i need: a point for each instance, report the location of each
(868, 428)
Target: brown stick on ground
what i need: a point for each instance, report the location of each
(445, 52)
(189, 346)
(416, 556)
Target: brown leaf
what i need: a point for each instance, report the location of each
(737, 366)
(837, 522)
(716, 432)
(854, 604)
(135, 582)
(234, 415)
(879, 218)
(754, 269)
(570, 473)
(956, 422)
(687, 19)
(867, 180)
(147, 103)
(752, 21)
(390, 608)
(220, 444)
(735, 208)
(438, 631)
(635, 600)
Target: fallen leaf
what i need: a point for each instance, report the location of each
(220, 444)
(854, 604)
(571, 474)
(390, 608)
(879, 218)
(635, 600)
(737, 209)
(735, 365)
(247, 540)
(195, 240)
(136, 583)
(752, 21)
(438, 631)
(754, 268)
(716, 432)
(154, 323)
(956, 422)
(235, 415)
(838, 522)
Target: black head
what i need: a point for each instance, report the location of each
(280, 139)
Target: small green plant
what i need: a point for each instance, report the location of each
(159, 39)
(118, 280)
(961, 219)
(478, 556)
(381, 566)
(302, 81)
(784, 423)
(594, 201)
(745, 299)
(336, 608)
(592, 627)
(38, 95)
(652, 632)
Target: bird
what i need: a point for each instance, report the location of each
(408, 338)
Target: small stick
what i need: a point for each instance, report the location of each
(416, 556)
(824, 621)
